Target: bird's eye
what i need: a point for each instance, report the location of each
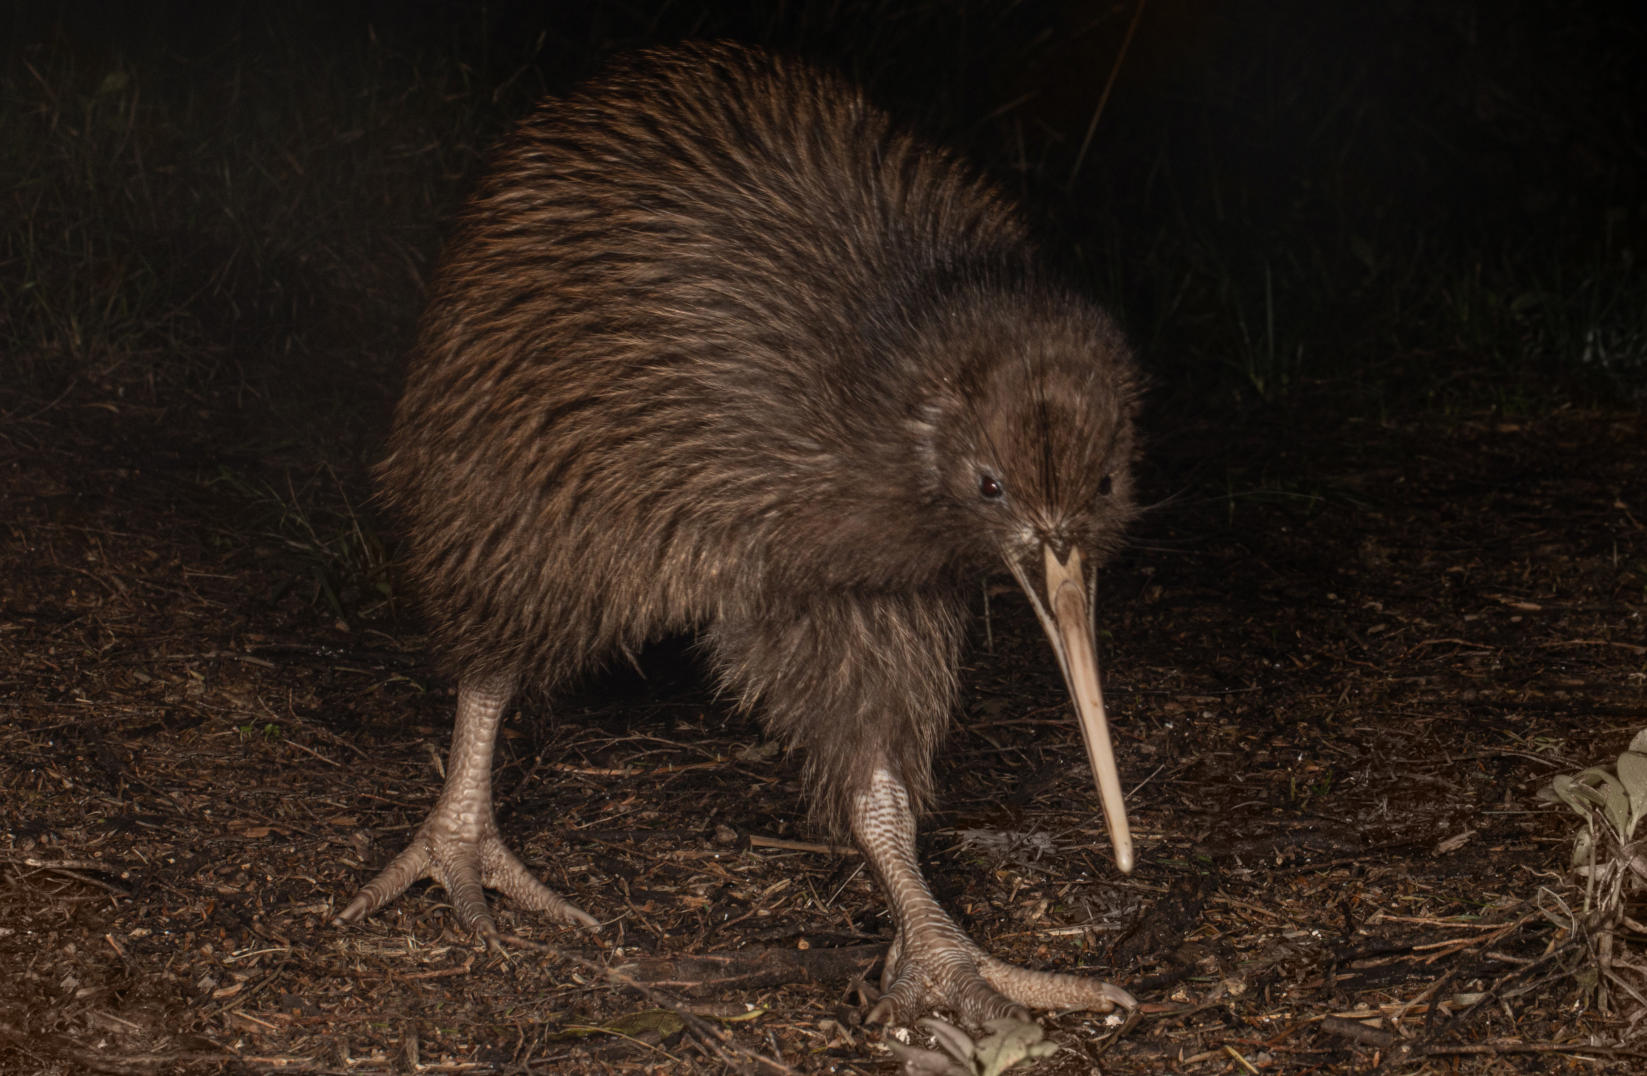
(1104, 485)
(989, 487)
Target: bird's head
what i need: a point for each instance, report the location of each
(1027, 434)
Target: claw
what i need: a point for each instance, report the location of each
(931, 963)
(941, 971)
(883, 1012)
(465, 865)
(458, 844)
(1052, 989)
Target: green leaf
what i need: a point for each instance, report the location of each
(660, 1022)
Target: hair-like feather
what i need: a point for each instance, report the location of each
(716, 346)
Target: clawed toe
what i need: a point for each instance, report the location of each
(509, 876)
(932, 963)
(967, 995)
(953, 974)
(465, 866)
(1052, 989)
(458, 844)
(412, 864)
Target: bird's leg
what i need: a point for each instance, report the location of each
(458, 844)
(932, 963)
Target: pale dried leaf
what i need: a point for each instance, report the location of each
(1009, 1042)
(1632, 771)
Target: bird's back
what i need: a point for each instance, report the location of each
(662, 333)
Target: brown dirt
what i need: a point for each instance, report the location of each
(1341, 661)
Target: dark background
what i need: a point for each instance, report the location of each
(1401, 198)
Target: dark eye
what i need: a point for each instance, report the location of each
(1104, 485)
(989, 487)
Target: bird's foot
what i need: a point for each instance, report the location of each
(932, 963)
(465, 856)
(941, 968)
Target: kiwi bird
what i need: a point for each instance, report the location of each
(717, 347)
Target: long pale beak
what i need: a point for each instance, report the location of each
(1065, 612)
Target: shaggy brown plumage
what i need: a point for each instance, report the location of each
(718, 347)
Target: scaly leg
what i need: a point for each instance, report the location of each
(932, 963)
(458, 844)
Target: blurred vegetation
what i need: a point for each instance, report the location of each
(1436, 205)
